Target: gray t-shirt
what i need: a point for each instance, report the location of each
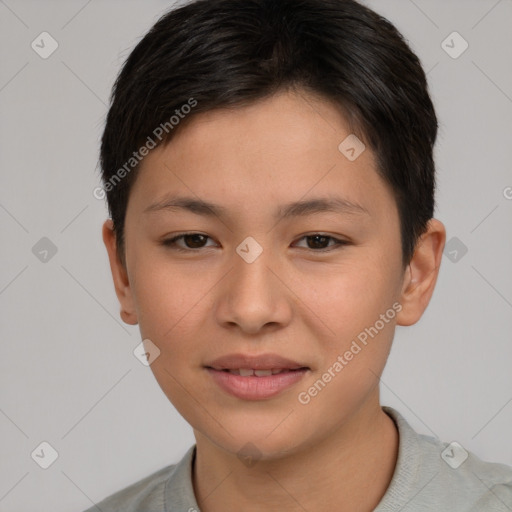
(429, 476)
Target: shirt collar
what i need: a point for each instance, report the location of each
(179, 490)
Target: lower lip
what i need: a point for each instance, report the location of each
(256, 388)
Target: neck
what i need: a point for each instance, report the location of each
(352, 468)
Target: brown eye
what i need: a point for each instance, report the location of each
(319, 242)
(192, 241)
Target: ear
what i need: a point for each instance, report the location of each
(119, 275)
(421, 274)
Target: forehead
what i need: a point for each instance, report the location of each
(280, 150)
(274, 128)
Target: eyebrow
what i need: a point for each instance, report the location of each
(296, 209)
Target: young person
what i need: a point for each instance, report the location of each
(268, 166)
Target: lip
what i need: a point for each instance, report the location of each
(260, 362)
(256, 388)
(253, 387)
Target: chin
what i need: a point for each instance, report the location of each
(256, 441)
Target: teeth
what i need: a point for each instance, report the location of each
(262, 373)
(248, 372)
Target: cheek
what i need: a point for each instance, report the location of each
(353, 359)
(170, 307)
(350, 297)
(174, 312)
(356, 307)
(164, 295)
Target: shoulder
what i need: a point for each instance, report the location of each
(148, 495)
(435, 475)
(463, 479)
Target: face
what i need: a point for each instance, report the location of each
(268, 276)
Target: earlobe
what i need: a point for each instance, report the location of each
(119, 275)
(421, 274)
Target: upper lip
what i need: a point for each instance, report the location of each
(260, 362)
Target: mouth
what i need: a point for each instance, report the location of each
(249, 372)
(255, 377)
(263, 362)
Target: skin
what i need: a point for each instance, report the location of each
(293, 300)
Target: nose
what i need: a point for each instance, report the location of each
(254, 296)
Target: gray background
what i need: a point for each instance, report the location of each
(68, 375)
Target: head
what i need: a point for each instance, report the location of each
(241, 108)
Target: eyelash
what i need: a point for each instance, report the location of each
(171, 242)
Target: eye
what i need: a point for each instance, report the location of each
(192, 241)
(318, 241)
